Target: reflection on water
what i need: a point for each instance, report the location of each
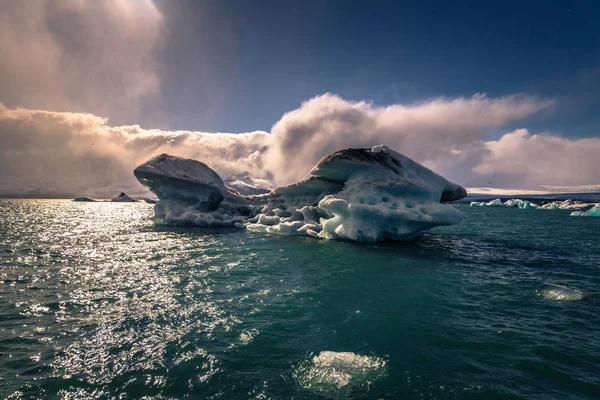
(98, 302)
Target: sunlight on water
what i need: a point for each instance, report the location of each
(98, 302)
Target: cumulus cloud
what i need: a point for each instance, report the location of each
(73, 55)
(540, 160)
(67, 154)
(439, 133)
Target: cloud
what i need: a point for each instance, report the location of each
(540, 160)
(439, 133)
(73, 55)
(67, 154)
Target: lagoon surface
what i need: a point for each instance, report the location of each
(96, 301)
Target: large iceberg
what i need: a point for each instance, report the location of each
(354, 194)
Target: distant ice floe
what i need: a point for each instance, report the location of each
(518, 203)
(84, 198)
(337, 374)
(121, 198)
(354, 194)
(569, 204)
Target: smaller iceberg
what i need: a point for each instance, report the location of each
(592, 212)
(551, 291)
(248, 186)
(522, 204)
(568, 204)
(123, 198)
(514, 203)
(337, 374)
(84, 199)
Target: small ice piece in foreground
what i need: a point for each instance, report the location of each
(551, 291)
(122, 198)
(336, 374)
(363, 195)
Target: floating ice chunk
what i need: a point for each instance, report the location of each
(83, 198)
(516, 203)
(122, 198)
(354, 194)
(592, 212)
(491, 203)
(551, 291)
(336, 374)
(568, 204)
(495, 203)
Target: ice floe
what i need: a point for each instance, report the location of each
(568, 204)
(337, 374)
(551, 291)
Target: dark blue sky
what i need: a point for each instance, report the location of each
(239, 65)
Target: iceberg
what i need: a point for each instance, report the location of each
(592, 212)
(522, 204)
(551, 291)
(248, 186)
(515, 203)
(84, 198)
(338, 374)
(363, 195)
(122, 198)
(568, 204)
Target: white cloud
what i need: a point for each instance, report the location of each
(64, 154)
(92, 56)
(540, 160)
(43, 152)
(440, 133)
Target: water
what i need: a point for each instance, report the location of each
(97, 302)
